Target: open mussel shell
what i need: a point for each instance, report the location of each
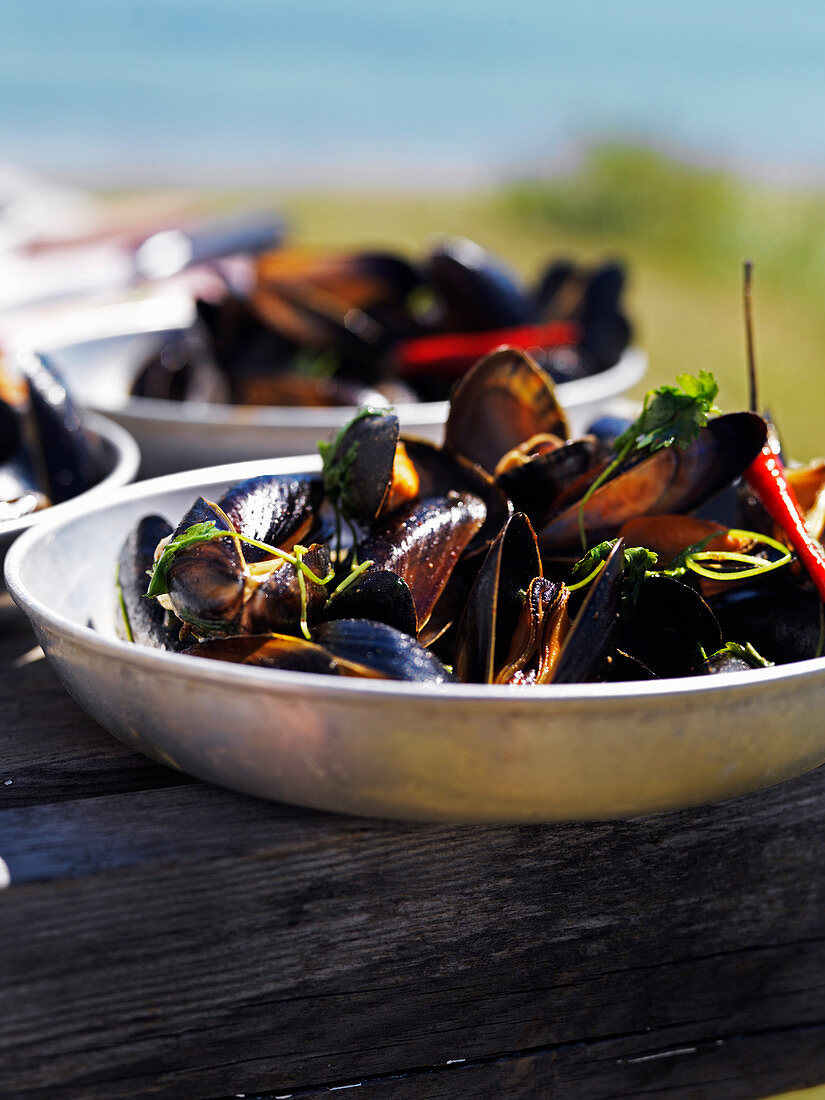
(205, 581)
(367, 280)
(422, 543)
(595, 625)
(670, 480)
(494, 604)
(268, 651)
(380, 595)
(277, 604)
(534, 486)
(365, 452)
(371, 648)
(278, 509)
(475, 290)
(503, 401)
(71, 458)
(667, 628)
(143, 619)
(540, 632)
(316, 319)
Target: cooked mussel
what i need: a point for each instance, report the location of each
(206, 581)
(423, 542)
(504, 400)
(473, 289)
(672, 479)
(277, 509)
(494, 603)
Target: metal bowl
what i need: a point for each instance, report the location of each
(99, 351)
(121, 459)
(447, 753)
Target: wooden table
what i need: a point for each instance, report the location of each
(162, 937)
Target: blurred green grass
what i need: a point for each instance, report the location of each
(683, 231)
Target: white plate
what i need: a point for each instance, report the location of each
(451, 752)
(99, 352)
(121, 459)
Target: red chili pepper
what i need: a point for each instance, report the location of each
(766, 476)
(450, 354)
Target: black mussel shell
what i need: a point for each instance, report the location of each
(549, 302)
(607, 331)
(780, 621)
(362, 457)
(380, 595)
(278, 509)
(182, 369)
(669, 628)
(71, 456)
(670, 480)
(205, 581)
(476, 291)
(371, 648)
(595, 625)
(494, 604)
(535, 486)
(503, 401)
(423, 542)
(315, 319)
(268, 651)
(144, 619)
(276, 603)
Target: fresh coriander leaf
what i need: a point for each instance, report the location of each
(671, 414)
(198, 532)
(638, 562)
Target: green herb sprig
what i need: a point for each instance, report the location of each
(671, 415)
(637, 563)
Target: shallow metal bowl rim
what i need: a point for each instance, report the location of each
(124, 470)
(731, 685)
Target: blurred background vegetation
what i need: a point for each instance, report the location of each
(683, 232)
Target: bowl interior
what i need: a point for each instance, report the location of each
(119, 464)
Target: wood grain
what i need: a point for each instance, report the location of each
(163, 938)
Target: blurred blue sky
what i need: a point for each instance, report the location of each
(436, 91)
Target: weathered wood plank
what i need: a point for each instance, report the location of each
(733, 1068)
(49, 749)
(272, 945)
